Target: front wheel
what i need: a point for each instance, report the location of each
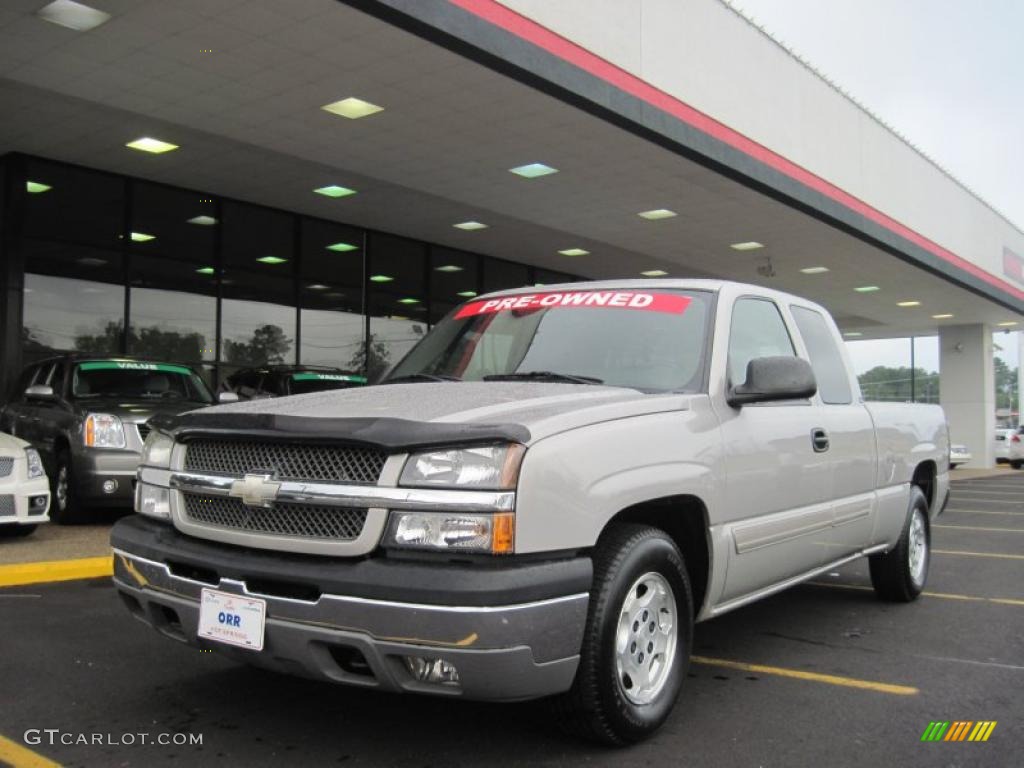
(636, 646)
(900, 574)
(1016, 464)
(64, 506)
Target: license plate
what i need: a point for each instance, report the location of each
(232, 619)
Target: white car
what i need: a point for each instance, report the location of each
(1003, 435)
(24, 488)
(1015, 447)
(958, 454)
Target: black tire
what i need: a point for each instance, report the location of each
(597, 706)
(894, 574)
(64, 506)
(16, 531)
(1017, 464)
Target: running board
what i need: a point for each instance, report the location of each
(739, 602)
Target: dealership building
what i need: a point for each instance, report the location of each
(236, 182)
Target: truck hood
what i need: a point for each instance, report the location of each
(526, 411)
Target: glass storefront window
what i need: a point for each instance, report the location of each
(397, 301)
(499, 275)
(331, 295)
(173, 223)
(73, 204)
(454, 278)
(69, 315)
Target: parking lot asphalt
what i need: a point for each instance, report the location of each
(821, 675)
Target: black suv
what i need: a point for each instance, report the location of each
(86, 415)
(283, 380)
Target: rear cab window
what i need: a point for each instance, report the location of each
(826, 360)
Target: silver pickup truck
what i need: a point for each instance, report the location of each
(540, 500)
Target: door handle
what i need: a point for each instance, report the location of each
(819, 440)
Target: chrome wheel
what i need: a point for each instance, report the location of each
(646, 640)
(917, 548)
(62, 488)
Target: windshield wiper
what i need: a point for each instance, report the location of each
(543, 376)
(411, 377)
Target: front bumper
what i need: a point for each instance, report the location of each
(15, 508)
(513, 632)
(95, 466)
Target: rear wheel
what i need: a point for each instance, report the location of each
(900, 574)
(64, 507)
(1017, 464)
(636, 646)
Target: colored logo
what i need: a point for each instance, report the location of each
(958, 730)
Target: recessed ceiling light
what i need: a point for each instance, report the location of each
(142, 237)
(352, 108)
(657, 213)
(381, 278)
(333, 190)
(202, 221)
(318, 287)
(866, 289)
(448, 268)
(408, 301)
(574, 252)
(153, 146)
(533, 170)
(852, 334)
(654, 273)
(941, 317)
(72, 15)
(908, 303)
(35, 187)
(271, 260)
(342, 247)
(1007, 324)
(92, 261)
(750, 245)
(466, 294)
(206, 270)
(814, 270)
(470, 226)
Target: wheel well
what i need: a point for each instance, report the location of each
(685, 520)
(924, 478)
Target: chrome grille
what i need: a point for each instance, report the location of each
(6, 506)
(286, 461)
(284, 519)
(6, 465)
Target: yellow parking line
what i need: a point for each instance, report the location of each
(975, 528)
(977, 554)
(55, 570)
(816, 677)
(943, 595)
(17, 756)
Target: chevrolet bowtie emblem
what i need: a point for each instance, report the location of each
(255, 490)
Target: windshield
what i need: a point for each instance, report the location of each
(130, 380)
(315, 381)
(651, 340)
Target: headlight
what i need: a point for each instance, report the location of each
(102, 430)
(156, 451)
(153, 501)
(35, 464)
(451, 531)
(490, 467)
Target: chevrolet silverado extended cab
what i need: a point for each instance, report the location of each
(540, 500)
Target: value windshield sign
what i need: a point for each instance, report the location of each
(670, 303)
(132, 365)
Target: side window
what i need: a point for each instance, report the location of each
(45, 375)
(827, 362)
(757, 331)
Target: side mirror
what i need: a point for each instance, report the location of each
(774, 378)
(40, 392)
(227, 397)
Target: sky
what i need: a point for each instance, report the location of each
(946, 74)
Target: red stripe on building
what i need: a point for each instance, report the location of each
(529, 30)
